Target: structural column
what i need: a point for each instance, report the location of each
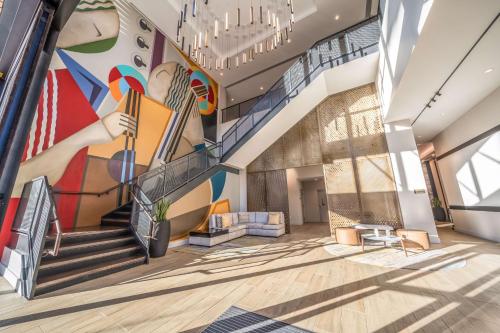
(410, 183)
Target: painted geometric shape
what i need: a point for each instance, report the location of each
(122, 78)
(93, 27)
(93, 89)
(218, 181)
(153, 120)
(63, 109)
(202, 86)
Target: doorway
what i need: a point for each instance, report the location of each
(314, 200)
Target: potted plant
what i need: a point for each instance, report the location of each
(437, 210)
(160, 234)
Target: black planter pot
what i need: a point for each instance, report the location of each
(159, 243)
(439, 214)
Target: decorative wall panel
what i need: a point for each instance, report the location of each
(267, 192)
(333, 129)
(293, 147)
(345, 133)
(358, 173)
(275, 156)
(277, 194)
(256, 188)
(309, 133)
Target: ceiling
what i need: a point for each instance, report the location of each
(448, 34)
(314, 20)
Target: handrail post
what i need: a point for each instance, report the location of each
(164, 179)
(187, 175)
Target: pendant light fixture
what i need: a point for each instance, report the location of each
(201, 35)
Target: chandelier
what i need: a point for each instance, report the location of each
(223, 38)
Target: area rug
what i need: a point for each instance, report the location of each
(431, 260)
(242, 321)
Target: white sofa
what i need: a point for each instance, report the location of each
(256, 226)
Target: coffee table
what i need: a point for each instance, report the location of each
(385, 239)
(208, 233)
(208, 237)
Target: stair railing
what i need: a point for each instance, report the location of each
(35, 213)
(340, 48)
(156, 184)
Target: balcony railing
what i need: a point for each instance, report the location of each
(345, 46)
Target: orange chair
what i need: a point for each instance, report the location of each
(414, 238)
(347, 236)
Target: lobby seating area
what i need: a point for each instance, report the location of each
(228, 226)
(359, 233)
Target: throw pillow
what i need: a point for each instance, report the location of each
(243, 218)
(218, 222)
(227, 220)
(274, 218)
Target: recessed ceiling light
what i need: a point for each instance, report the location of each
(489, 70)
(221, 73)
(419, 136)
(442, 114)
(337, 17)
(261, 88)
(289, 41)
(232, 99)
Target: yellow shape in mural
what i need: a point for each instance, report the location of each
(152, 121)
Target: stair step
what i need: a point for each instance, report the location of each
(116, 224)
(122, 219)
(59, 265)
(119, 213)
(66, 279)
(86, 236)
(91, 246)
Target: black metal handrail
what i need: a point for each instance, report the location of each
(160, 182)
(165, 179)
(33, 218)
(337, 49)
(238, 110)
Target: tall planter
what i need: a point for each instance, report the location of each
(439, 214)
(161, 237)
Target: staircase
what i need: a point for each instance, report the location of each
(119, 217)
(86, 255)
(348, 59)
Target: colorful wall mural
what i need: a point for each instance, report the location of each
(105, 115)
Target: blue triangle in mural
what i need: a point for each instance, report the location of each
(93, 89)
(218, 181)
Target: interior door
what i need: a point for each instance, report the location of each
(323, 206)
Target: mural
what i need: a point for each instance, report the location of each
(104, 117)
(92, 28)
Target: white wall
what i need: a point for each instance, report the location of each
(401, 26)
(415, 207)
(293, 178)
(471, 176)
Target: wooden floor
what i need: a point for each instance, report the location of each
(292, 279)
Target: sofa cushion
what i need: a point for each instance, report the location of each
(243, 217)
(272, 226)
(218, 222)
(237, 227)
(274, 218)
(227, 220)
(254, 225)
(261, 217)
